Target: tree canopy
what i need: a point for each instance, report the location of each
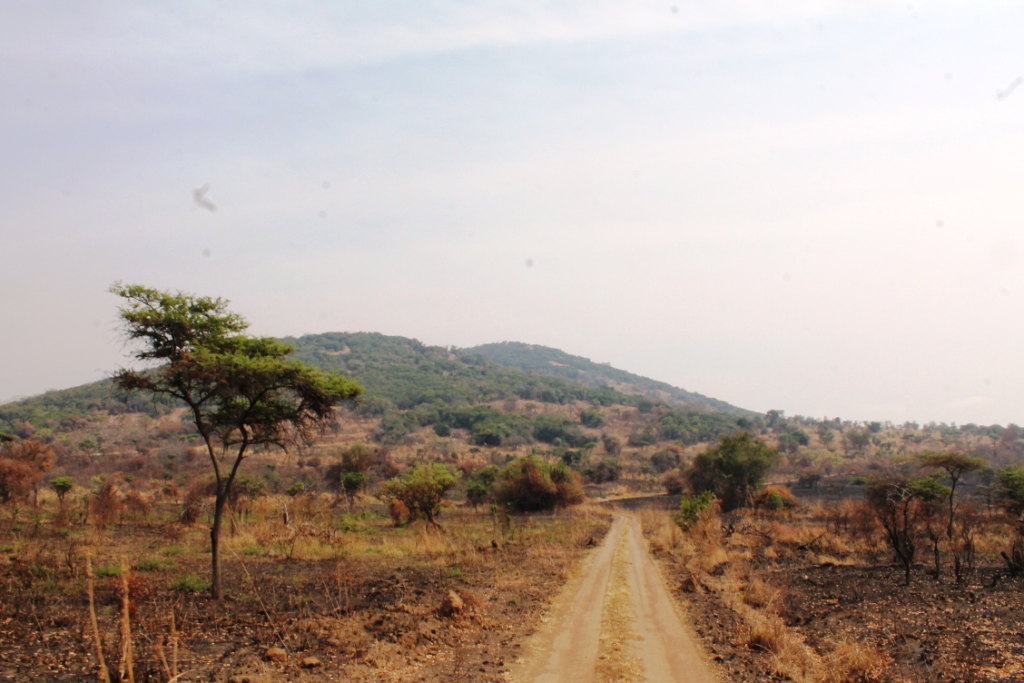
(733, 470)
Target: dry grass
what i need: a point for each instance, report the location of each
(706, 549)
(850, 661)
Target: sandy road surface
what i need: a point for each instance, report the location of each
(615, 622)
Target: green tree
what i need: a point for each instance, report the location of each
(733, 470)
(61, 486)
(352, 483)
(422, 489)
(243, 392)
(955, 465)
(1011, 488)
(857, 439)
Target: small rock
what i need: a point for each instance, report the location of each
(451, 605)
(311, 663)
(276, 654)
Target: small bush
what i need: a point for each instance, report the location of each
(399, 512)
(422, 489)
(775, 498)
(529, 484)
(106, 504)
(674, 482)
(189, 583)
(691, 507)
(666, 459)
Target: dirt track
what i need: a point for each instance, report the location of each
(615, 622)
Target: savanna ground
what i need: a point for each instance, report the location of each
(811, 595)
(322, 595)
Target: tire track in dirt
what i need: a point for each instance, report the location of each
(619, 608)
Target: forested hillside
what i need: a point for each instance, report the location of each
(410, 385)
(556, 363)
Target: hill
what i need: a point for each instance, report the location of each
(410, 385)
(556, 363)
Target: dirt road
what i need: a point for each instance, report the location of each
(615, 622)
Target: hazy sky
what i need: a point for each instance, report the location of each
(812, 206)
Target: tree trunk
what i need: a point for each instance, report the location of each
(218, 516)
(952, 511)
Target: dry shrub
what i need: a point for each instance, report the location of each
(865, 525)
(137, 505)
(674, 482)
(775, 499)
(766, 632)
(399, 512)
(139, 590)
(105, 505)
(759, 594)
(791, 658)
(22, 465)
(195, 503)
(850, 661)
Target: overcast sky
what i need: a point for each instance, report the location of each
(810, 206)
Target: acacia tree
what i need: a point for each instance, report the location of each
(955, 466)
(243, 392)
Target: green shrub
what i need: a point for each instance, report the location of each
(422, 489)
(691, 507)
(107, 570)
(189, 583)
